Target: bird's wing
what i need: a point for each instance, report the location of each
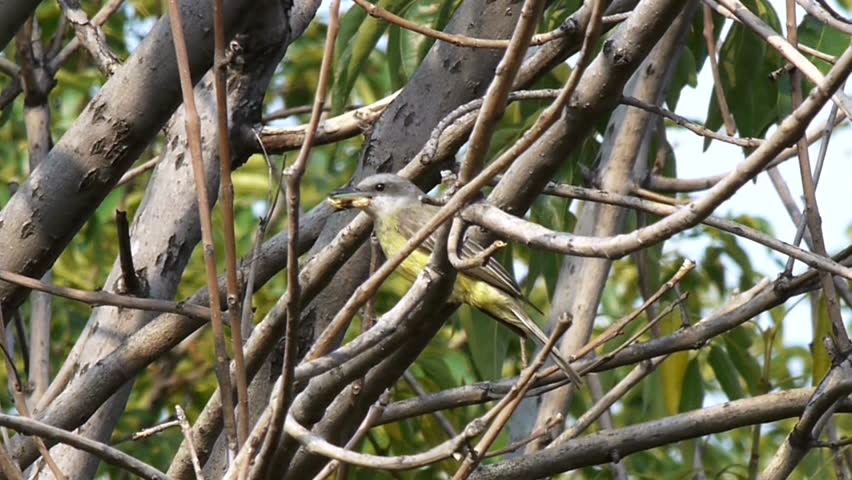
(492, 273)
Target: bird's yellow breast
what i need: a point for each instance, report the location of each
(466, 290)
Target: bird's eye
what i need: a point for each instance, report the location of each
(379, 187)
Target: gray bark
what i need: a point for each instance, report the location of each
(109, 135)
(15, 13)
(163, 235)
(163, 261)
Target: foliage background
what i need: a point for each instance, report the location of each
(372, 60)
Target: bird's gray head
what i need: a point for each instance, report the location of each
(379, 194)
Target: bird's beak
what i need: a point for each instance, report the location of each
(349, 197)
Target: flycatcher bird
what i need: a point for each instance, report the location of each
(396, 207)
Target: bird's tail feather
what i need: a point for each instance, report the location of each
(531, 329)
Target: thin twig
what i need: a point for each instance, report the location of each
(187, 436)
(638, 334)
(710, 40)
(335, 129)
(91, 36)
(97, 21)
(228, 221)
(618, 328)
(8, 467)
(102, 297)
(193, 130)
(271, 200)
(678, 185)
(608, 400)
(20, 401)
(373, 415)
(817, 54)
(844, 442)
(454, 39)
(110, 455)
(460, 114)
(494, 101)
(293, 176)
(151, 431)
(418, 389)
(368, 320)
(693, 127)
(478, 259)
(534, 435)
(131, 283)
(292, 111)
(319, 446)
(137, 171)
(834, 387)
(792, 209)
(517, 393)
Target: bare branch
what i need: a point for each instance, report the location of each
(106, 453)
(193, 129)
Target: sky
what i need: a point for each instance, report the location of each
(760, 199)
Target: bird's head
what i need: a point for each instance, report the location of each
(380, 194)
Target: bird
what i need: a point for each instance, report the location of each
(397, 208)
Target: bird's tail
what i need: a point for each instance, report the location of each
(530, 329)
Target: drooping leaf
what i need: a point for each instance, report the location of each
(725, 373)
(358, 37)
(819, 36)
(673, 370)
(822, 360)
(745, 63)
(693, 387)
(488, 342)
(737, 344)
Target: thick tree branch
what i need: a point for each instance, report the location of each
(15, 13)
(614, 445)
(58, 197)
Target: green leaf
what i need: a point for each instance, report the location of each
(736, 253)
(674, 369)
(488, 342)
(713, 268)
(822, 361)
(357, 40)
(737, 344)
(685, 74)
(397, 75)
(817, 35)
(433, 365)
(745, 63)
(693, 387)
(725, 372)
(693, 57)
(415, 46)
(554, 213)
